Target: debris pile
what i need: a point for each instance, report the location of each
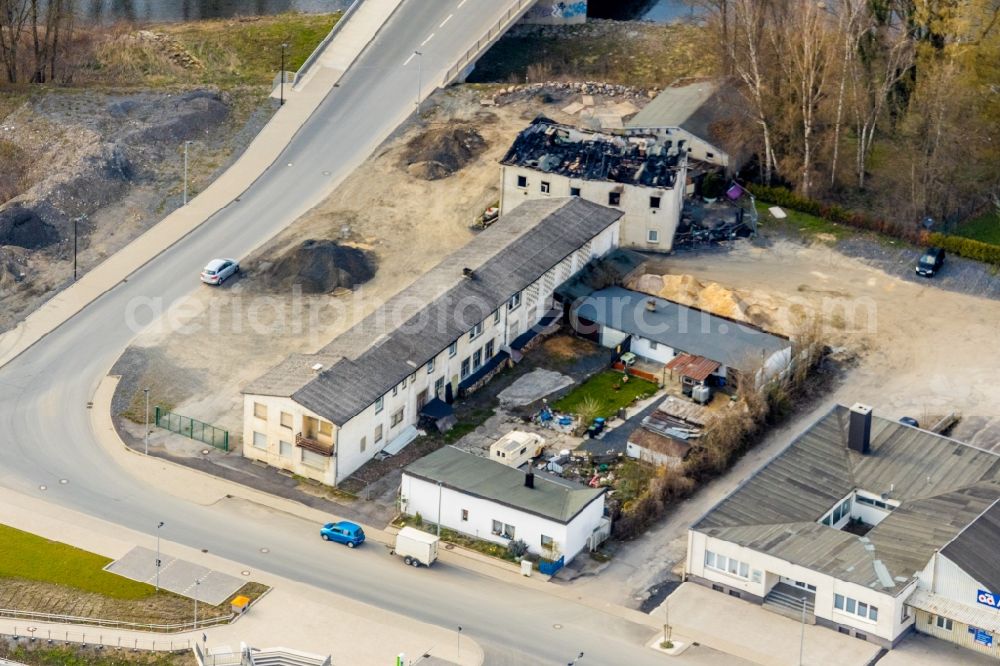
(711, 297)
(318, 267)
(440, 152)
(561, 90)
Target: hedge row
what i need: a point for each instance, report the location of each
(965, 247)
(832, 212)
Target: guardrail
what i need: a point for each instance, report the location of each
(100, 623)
(492, 35)
(326, 41)
(50, 637)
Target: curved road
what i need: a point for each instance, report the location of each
(44, 392)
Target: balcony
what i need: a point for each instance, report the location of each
(313, 445)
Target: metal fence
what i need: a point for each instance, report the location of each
(111, 625)
(192, 428)
(494, 33)
(28, 635)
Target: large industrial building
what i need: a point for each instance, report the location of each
(873, 528)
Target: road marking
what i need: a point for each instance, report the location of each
(424, 43)
(461, 3)
(412, 56)
(446, 20)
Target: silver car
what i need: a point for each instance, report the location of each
(219, 270)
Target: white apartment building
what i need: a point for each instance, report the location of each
(324, 415)
(642, 172)
(499, 503)
(877, 528)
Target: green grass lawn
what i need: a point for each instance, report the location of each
(985, 228)
(801, 223)
(30, 557)
(601, 388)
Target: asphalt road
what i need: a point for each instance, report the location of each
(44, 392)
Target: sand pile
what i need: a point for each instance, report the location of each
(318, 267)
(709, 296)
(440, 152)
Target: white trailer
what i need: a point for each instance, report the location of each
(416, 547)
(516, 448)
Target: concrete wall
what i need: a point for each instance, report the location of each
(639, 217)
(557, 12)
(288, 457)
(422, 497)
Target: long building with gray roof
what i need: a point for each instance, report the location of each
(324, 415)
(854, 519)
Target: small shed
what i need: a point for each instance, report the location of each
(652, 447)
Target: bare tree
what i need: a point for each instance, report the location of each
(13, 21)
(849, 22)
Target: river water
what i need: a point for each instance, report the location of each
(162, 11)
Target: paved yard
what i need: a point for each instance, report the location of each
(176, 575)
(923, 650)
(748, 631)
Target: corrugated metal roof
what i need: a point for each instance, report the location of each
(942, 486)
(443, 304)
(935, 604)
(697, 368)
(657, 443)
(481, 477)
(976, 548)
(735, 344)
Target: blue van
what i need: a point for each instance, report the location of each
(343, 532)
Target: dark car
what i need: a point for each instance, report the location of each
(910, 421)
(930, 262)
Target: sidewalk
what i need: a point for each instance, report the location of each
(292, 615)
(259, 155)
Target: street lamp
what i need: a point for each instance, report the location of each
(420, 72)
(458, 647)
(282, 99)
(197, 584)
(802, 635)
(158, 555)
(439, 512)
(146, 433)
(75, 235)
(186, 144)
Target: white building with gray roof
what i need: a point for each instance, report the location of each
(877, 528)
(324, 415)
(492, 501)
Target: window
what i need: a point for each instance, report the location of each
(574, 191)
(653, 236)
(326, 429)
(404, 381)
(465, 369)
(363, 444)
(514, 302)
(652, 345)
(439, 387)
(709, 155)
(729, 565)
(943, 623)
(477, 359)
(709, 559)
(734, 593)
(744, 570)
(545, 187)
(496, 316)
(733, 566)
(285, 449)
(378, 434)
(547, 542)
(508, 531)
(260, 410)
(489, 350)
(465, 515)
(397, 418)
(313, 459)
(614, 198)
(860, 636)
(260, 440)
(756, 576)
(453, 348)
(430, 366)
(476, 331)
(413, 377)
(379, 404)
(854, 607)
(395, 390)
(286, 420)
(522, 181)
(497, 527)
(654, 202)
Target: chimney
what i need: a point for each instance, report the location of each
(467, 272)
(529, 478)
(651, 305)
(859, 431)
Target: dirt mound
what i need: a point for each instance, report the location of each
(440, 152)
(319, 267)
(710, 297)
(186, 117)
(22, 227)
(13, 268)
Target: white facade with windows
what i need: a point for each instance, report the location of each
(372, 408)
(900, 535)
(488, 500)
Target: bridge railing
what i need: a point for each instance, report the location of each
(326, 42)
(492, 35)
